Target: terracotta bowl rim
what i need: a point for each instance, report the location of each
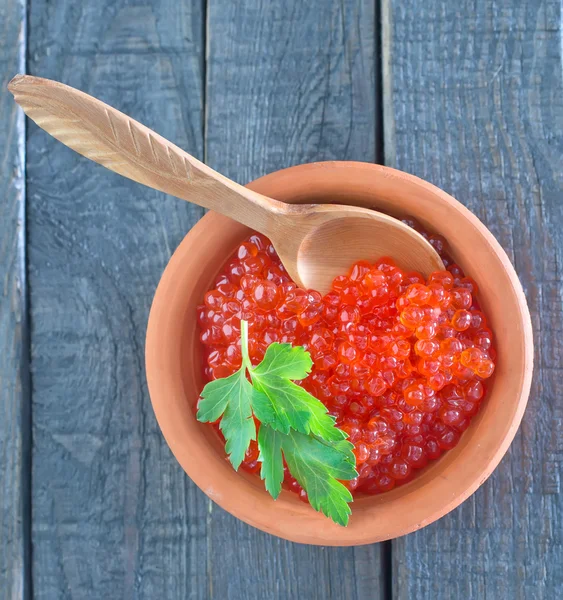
(278, 519)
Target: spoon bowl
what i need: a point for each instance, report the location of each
(314, 242)
(344, 235)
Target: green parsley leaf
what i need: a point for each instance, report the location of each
(232, 398)
(269, 443)
(294, 425)
(346, 447)
(290, 406)
(316, 464)
(318, 467)
(285, 360)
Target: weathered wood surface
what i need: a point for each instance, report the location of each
(288, 83)
(14, 399)
(477, 99)
(113, 514)
(473, 102)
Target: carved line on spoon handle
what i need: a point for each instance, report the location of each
(101, 132)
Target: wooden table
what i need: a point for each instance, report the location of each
(467, 94)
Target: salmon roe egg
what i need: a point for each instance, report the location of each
(398, 360)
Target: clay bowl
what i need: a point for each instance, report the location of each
(173, 359)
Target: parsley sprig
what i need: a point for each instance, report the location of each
(293, 425)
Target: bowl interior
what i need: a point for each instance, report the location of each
(175, 374)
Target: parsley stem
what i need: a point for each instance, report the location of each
(244, 345)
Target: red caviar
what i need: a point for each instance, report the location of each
(399, 361)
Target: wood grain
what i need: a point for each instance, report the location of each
(476, 96)
(288, 83)
(14, 398)
(114, 516)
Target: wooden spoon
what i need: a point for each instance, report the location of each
(315, 242)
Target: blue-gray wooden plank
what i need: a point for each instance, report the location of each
(114, 516)
(287, 83)
(14, 400)
(475, 92)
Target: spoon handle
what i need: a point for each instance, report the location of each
(121, 144)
